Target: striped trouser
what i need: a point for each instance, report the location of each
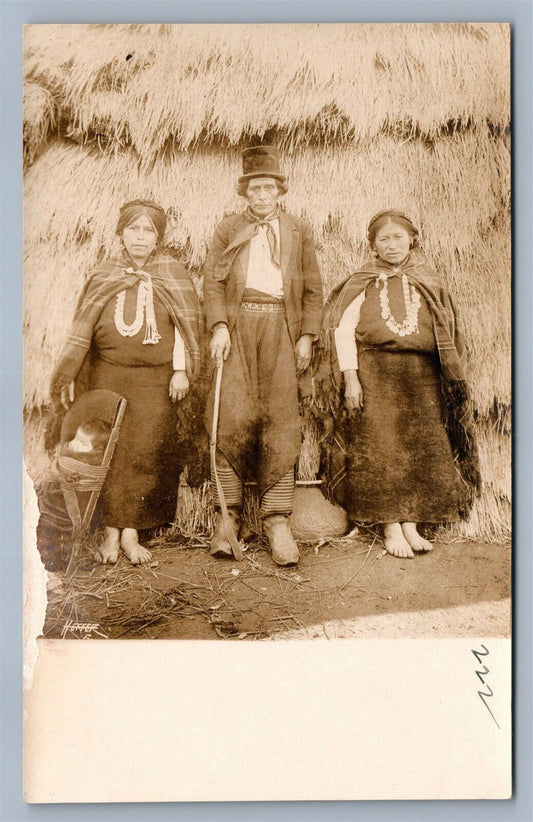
(278, 499)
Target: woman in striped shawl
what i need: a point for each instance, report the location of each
(404, 450)
(136, 331)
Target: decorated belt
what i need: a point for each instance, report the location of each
(261, 307)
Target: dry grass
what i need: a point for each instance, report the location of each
(491, 517)
(39, 119)
(309, 461)
(407, 116)
(154, 85)
(194, 513)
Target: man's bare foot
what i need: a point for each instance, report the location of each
(129, 542)
(395, 542)
(108, 550)
(414, 539)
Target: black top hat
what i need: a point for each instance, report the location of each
(261, 161)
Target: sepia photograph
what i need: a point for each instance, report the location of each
(267, 334)
(214, 454)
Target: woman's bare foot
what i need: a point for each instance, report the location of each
(395, 542)
(129, 542)
(414, 539)
(108, 550)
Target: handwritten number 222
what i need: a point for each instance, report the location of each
(484, 695)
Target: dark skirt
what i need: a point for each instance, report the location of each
(399, 464)
(141, 487)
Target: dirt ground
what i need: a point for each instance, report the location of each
(343, 588)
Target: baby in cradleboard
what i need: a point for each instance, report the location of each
(396, 362)
(88, 443)
(54, 529)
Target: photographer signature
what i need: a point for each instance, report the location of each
(82, 630)
(488, 692)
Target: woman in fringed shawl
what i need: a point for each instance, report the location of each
(136, 331)
(404, 449)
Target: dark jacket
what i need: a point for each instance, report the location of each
(302, 284)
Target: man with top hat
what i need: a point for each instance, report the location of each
(263, 303)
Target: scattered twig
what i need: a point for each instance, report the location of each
(343, 586)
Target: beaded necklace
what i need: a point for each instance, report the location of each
(145, 307)
(411, 299)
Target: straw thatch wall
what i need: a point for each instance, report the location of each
(411, 116)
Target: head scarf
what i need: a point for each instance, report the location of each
(130, 211)
(399, 217)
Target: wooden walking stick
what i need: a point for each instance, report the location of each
(230, 535)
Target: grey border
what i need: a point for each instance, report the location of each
(13, 15)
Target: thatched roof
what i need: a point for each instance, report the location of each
(368, 116)
(147, 86)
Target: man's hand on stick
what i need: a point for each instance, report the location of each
(220, 343)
